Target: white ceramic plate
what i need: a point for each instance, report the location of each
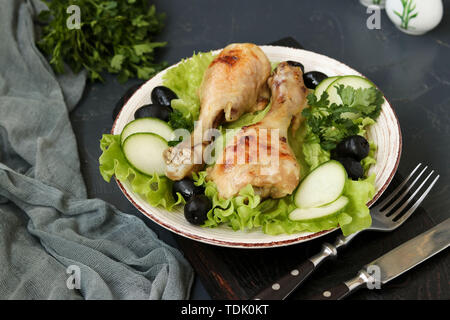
(385, 133)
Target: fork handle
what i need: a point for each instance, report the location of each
(344, 289)
(286, 284)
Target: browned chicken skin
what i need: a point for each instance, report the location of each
(234, 83)
(259, 155)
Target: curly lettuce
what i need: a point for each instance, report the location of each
(248, 211)
(313, 153)
(370, 160)
(185, 79)
(356, 215)
(249, 118)
(156, 190)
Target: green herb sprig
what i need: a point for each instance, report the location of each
(332, 123)
(114, 36)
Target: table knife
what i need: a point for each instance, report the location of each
(394, 263)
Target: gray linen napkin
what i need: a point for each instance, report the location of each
(49, 230)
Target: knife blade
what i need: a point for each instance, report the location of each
(395, 262)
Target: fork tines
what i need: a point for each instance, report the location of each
(394, 206)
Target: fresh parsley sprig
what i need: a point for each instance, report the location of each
(114, 36)
(332, 123)
(178, 121)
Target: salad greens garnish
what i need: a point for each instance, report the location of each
(247, 210)
(368, 161)
(325, 125)
(178, 121)
(156, 190)
(332, 123)
(184, 80)
(114, 36)
(248, 119)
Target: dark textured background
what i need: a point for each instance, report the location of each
(413, 72)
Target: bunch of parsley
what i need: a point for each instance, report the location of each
(332, 123)
(114, 36)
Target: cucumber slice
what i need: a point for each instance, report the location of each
(322, 186)
(310, 214)
(152, 125)
(144, 151)
(353, 81)
(322, 86)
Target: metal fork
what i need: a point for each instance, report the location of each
(387, 215)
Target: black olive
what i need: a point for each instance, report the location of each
(124, 99)
(186, 188)
(162, 95)
(296, 64)
(353, 167)
(196, 209)
(153, 111)
(355, 147)
(313, 78)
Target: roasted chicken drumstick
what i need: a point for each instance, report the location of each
(234, 83)
(260, 154)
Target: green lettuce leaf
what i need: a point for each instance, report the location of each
(296, 141)
(274, 214)
(246, 210)
(368, 161)
(248, 119)
(362, 124)
(156, 190)
(274, 65)
(185, 79)
(356, 215)
(313, 152)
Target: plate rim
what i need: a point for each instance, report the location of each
(222, 243)
(259, 245)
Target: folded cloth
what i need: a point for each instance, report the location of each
(54, 242)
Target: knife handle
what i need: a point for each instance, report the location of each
(284, 286)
